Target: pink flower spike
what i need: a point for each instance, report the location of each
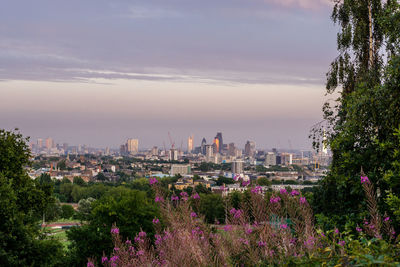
(196, 196)
(303, 200)
(283, 191)
(227, 228)
(153, 181)
(336, 231)
(174, 198)
(284, 226)
(104, 259)
(294, 193)
(232, 211)
(115, 231)
(386, 219)
(156, 221)
(341, 243)
(358, 229)
(90, 264)
(193, 215)
(159, 199)
(364, 179)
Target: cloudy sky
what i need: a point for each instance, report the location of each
(99, 71)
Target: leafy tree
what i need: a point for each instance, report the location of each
(366, 113)
(263, 181)
(79, 181)
(22, 202)
(130, 209)
(223, 180)
(85, 208)
(67, 211)
(212, 207)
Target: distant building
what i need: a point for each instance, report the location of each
(154, 151)
(270, 159)
(49, 143)
(132, 146)
(180, 169)
(203, 146)
(219, 144)
(286, 158)
(173, 154)
(250, 149)
(237, 167)
(40, 143)
(209, 152)
(190, 144)
(231, 149)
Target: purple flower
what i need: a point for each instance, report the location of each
(274, 199)
(193, 214)
(104, 260)
(249, 231)
(116, 249)
(90, 264)
(341, 243)
(294, 193)
(283, 191)
(156, 221)
(284, 226)
(262, 243)
(114, 258)
(336, 231)
(184, 194)
(256, 190)
(237, 215)
(128, 242)
(153, 181)
(227, 228)
(245, 183)
(303, 200)
(196, 196)
(232, 211)
(386, 219)
(115, 231)
(142, 234)
(358, 229)
(364, 179)
(138, 240)
(140, 253)
(159, 199)
(174, 198)
(244, 241)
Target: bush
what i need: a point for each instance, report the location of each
(67, 211)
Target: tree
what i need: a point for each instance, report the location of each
(212, 207)
(367, 112)
(263, 181)
(67, 211)
(79, 181)
(129, 209)
(22, 202)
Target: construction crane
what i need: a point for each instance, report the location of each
(171, 141)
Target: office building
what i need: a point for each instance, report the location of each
(132, 146)
(203, 146)
(40, 143)
(49, 143)
(180, 169)
(250, 149)
(190, 144)
(237, 167)
(270, 159)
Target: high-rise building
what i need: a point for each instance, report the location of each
(173, 154)
(237, 167)
(270, 159)
(209, 152)
(49, 143)
(190, 144)
(180, 169)
(154, 151)
(132, 146)
(219, 142)
(203, 146)
(231, 149)
(40, 143)
(250, 149)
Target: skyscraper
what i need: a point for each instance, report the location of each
(220, 143)
(190, 144)
(132, 146)
(209, 152)
(237, 167)
(203, 146)
(49, 143)
(40, 143)
(250, 149)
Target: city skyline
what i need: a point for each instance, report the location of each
(251, 69)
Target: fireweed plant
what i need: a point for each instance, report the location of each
(263, 232)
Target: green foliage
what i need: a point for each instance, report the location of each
(212, 207)
(67, 211)
(22, 201)
(263, 181)
(223, 180)
(79, 181)
(130, 209)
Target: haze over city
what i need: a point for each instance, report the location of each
(100, 72)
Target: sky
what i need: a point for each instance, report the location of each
(97, 72)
